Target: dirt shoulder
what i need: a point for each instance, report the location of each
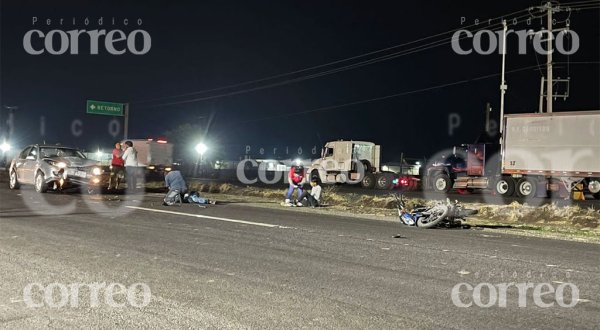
(549, 221)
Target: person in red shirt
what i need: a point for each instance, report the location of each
(295, 178)
(117, 166)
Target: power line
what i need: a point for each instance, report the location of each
(321, 65)
(381, 98)
(331, 71)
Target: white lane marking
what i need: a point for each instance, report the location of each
(208, 217)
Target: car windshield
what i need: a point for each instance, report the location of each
(50, 152)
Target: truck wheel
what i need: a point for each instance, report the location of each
(315, 174)
(384, 181)
(594, 188)
(505, 186)
(441, 183)
(367, 166)
(13, 182)
(526, 188)
(368, 181)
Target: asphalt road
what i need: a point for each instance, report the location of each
(239, 266)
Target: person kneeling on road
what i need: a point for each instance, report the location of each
(174, 181)
(177, 187)
(313, 198)
(295, 178)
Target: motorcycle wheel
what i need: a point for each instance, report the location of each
(436, 215)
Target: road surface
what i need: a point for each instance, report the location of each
(239, 266)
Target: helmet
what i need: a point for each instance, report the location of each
(298, 169)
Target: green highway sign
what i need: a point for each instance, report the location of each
(104, 108)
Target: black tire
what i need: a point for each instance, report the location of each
(13, 181)
(594, 182)
(315, 174)
(384, 181)
(367, 166)
(526, 188)
(368, 181)
(505, 186)
(441, 183)
(40, 183)
(438, 213)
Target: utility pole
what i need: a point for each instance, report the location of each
(503, 85)
(126, 122)
(549, 81)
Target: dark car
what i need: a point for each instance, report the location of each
(54, 167)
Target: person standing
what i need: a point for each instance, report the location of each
(295, 178)
(131, 165)
(116, 167)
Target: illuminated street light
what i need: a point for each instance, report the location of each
(201, 148)
(5, 147)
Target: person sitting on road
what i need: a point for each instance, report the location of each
(117, 167)
(312, 199)
(295, 178)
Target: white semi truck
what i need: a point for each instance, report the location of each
(352, 162)
(540, 153)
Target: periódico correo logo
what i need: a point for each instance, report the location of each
(59, 42)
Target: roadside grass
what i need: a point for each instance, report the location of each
(551, 218)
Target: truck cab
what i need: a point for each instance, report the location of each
(468, 167)
(351, 162)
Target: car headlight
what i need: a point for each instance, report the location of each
(167, 169)
(96, 171)
(151, 167)
(56, 164)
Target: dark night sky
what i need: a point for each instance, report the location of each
(200, 45)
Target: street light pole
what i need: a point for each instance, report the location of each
(549, 78)
(503, 86)
(201, 148)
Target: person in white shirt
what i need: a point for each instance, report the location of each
(313, 198)
(131, 165)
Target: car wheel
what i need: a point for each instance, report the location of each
(441, 183)
(40, 183)
(13, 181)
